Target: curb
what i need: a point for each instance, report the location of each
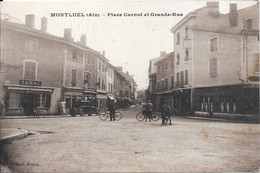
(10, 138)
(217, 119)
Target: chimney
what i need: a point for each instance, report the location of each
(29, 20)
(213, 8)
(44, 24)
(83, 39)
(162, 53)
(104, 53)
(233, 15)
(67, 34)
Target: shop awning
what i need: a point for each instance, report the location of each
(29, 88)
(101, 96)
(111, 97)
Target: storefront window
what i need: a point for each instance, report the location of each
(41, 100)
(14, 99)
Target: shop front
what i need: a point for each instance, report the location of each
(72, 96)
(23, 99)
(101, 100)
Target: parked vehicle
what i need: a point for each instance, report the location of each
(83, 108)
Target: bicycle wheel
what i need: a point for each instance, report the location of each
(81, 111)
(103, 116)
(140, 116)
(118, 116)
(155, 116)
(39, 113)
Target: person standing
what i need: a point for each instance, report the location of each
(149, 110)
(168, 113)
(112, 109)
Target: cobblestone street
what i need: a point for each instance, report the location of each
(87, 144)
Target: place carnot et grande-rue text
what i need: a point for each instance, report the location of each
(114, 14)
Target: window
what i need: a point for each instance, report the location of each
(213, 45)
(31, 45)
(99, 83)
(213, 67)
(162, 85)
(181, 79)
(249, 24)
(99, 65)
(178, 59)
(111, 88)
(166, 83)
(73, 77)
(186, 32)
(75, 55)
(172, 81)
(186, 78)
(178, 79)
(162, 68)
(171, 62)
(158, 86)
(103, 86)
(14, 100)
(30, 70)
(88, 59)
(87, 77)
(186, 55)
(166, 66)
(41, 100)
(178, 38)
(257, 63)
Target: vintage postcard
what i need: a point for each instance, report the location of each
(129, 86)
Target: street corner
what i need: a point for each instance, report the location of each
(10, 134)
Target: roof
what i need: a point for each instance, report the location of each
(164, 57)
(31, 31)
(152, 67)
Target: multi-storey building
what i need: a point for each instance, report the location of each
(33, 63)
(217, 60)
(152, 74)
(40, 70)
(165, 80)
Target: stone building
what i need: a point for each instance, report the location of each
(164, 80)
(217, 60)
(40, 70)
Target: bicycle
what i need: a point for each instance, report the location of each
(104, 115)
(141, 116)
(37, 112)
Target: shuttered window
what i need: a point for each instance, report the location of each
(213, 67)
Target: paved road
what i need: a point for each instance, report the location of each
(87, 144)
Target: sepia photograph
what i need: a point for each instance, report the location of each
(129, 86)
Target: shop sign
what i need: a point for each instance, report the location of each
(30, 83)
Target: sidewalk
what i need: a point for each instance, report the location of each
(227, 117)
(10, 134)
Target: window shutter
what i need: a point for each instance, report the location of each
(7, 100)
(48, 100)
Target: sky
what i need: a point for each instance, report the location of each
(129, 42)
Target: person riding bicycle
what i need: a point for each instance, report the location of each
(148, 108)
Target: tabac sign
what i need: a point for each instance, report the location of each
(30, 83)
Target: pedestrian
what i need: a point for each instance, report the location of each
(168, 113)
(148, 110)
(163, 113)
(112, 109)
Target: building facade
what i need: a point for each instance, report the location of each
(217, 59)
(40, 70)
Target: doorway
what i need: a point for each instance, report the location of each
(28, 103)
